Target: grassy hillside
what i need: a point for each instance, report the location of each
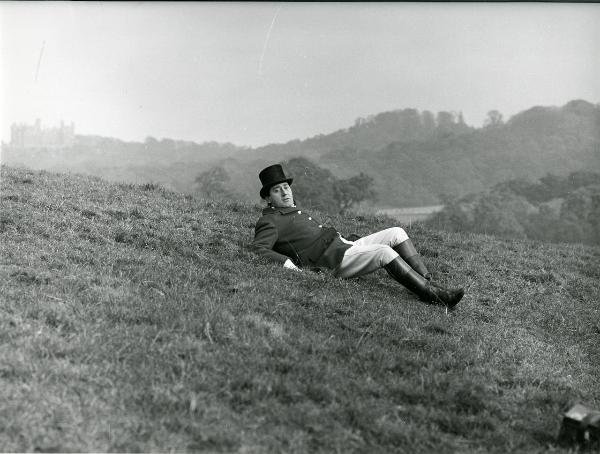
(135, 319)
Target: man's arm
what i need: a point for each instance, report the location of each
(265, 236)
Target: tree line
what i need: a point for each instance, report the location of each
(554, 208)
(313, 187)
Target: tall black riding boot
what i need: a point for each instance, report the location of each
(425, 290)
(409, 254)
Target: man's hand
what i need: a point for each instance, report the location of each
(290, 265)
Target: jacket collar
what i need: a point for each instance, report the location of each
(282, 210)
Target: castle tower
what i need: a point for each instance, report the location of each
(25, 136)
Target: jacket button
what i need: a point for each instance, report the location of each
(299, 211)
(320, 226)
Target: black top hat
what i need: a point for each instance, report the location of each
(271, 176)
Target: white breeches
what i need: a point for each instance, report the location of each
(370, 253)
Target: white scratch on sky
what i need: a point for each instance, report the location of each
(37, 70)
(264, 51)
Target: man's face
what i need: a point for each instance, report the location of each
(280, 196)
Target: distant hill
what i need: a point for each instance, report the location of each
(172, 163)
(416, 158)
(459, 161)
(419, 159)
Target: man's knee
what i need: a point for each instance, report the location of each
(385, 255)
(399, 235)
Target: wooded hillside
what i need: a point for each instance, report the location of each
(559, 209)
(415, 158)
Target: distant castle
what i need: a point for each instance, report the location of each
(26, 136)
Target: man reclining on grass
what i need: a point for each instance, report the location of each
(290, 236)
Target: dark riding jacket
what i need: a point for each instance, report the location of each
(290, 233)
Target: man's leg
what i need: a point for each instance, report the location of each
(407, 251)
(390, 237)
(363, 259)
(427, 291)
(396, 238)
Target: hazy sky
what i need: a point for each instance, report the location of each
(256, 73)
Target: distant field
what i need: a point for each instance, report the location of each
(133, 318)
(410, 215)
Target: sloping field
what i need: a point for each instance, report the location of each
(135, 319)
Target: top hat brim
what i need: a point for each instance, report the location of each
(264, 191)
